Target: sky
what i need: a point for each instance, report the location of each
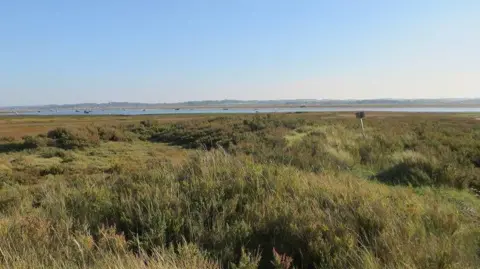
(57, 51)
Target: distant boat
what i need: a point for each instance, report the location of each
(38, 111)
(86, 112)
(303, 106)
(177, 108)
(76, 110)
(225, 109)
(144, 110)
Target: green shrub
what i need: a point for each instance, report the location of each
(74, 138)
(412, 168)
(149, 123)
(7, 139)
(50, 152)
(411, 172)
(52, 170)
(32, 142)
(116, 134)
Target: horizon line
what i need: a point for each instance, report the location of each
(254, 100)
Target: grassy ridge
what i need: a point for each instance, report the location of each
(408, 150)
(270, 191)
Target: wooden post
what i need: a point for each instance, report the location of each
(363, 129)
(361, 115)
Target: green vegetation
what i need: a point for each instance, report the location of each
(256, 191)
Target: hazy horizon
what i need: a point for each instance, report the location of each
(273, 101)
(54, 52)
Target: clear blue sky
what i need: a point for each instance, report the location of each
(167, 51)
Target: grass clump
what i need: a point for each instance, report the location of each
(74, 138)
(411, 168)
(81, 138)
(50, 152)
(116, 134)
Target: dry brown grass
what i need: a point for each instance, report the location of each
(17, 127)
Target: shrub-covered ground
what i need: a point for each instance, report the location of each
(251, 191)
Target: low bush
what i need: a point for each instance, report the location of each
(7, 139)
(32, 142)
(117, 134)
(51, 152)
(74, 138)
(52, 170)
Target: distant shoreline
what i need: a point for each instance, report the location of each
(245, 106)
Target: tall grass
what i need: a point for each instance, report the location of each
(450, 147)
(283, 193)
(222, 204)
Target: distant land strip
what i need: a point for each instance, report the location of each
(380, 103)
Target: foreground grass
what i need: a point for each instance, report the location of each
(280, 192)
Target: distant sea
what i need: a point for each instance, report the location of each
(247, 110)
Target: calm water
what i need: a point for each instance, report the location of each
(249, 110)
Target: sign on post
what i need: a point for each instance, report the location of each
(361, 115)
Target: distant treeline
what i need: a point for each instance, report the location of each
(453, 101)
